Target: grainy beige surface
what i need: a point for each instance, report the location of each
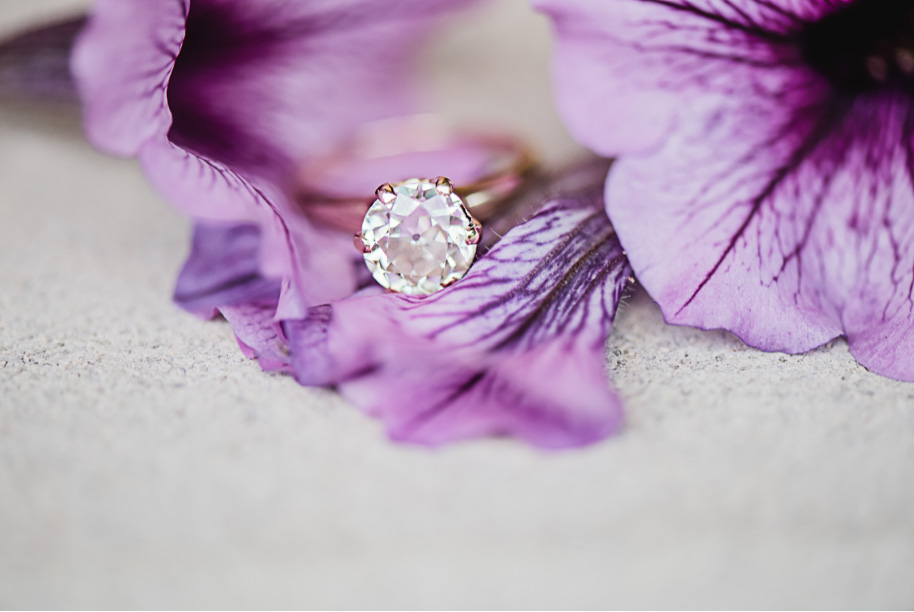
(145, 463)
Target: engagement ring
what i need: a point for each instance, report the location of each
(420, 234)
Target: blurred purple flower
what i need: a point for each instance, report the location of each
(221, 100)
(35, 64)
(515, 348)
(768, 155)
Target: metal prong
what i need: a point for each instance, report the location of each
(386, 193)
(474, 234)
(444, 186)
(359, 242)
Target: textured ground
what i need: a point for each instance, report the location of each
(145, 463)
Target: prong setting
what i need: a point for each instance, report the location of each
(386, 194)
(444, 186)
(360, 245)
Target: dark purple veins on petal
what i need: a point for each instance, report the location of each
(515, 347)
(853, 75)
(858, 46)
(552, 294)
(774, 25)
(556, 279)
(819, 123)
(559, 275)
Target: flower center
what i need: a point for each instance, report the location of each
(864, 46)
(205, 94)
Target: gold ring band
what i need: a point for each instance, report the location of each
(485, 195)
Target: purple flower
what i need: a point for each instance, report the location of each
(514, 348)
(221, 100)
(768, 154)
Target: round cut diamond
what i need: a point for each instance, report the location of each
(421, 241)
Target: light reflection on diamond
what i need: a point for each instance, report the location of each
(418, 244)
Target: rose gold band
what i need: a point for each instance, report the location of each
(485, 194)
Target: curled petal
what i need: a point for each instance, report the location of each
(204, 188)
(223, 270)
(222, 276)
(514, 348)
(318, 265)
(122, 62)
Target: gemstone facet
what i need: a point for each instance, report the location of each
(421, 240)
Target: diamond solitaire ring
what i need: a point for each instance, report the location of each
(418, 235)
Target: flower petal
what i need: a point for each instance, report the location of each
(122, 62)
(222, 276)
(787, 227)
(553, 396)
(204, 188)
(756, 194)
(516, 347)
(262, 85)
(318, 265)
(626, 71)
(259, 336)
(223, 270)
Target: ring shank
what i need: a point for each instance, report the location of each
(511, 162)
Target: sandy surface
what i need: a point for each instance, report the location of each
(145, 463)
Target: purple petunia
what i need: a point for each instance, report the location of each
(222, 100)
(765, 183)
